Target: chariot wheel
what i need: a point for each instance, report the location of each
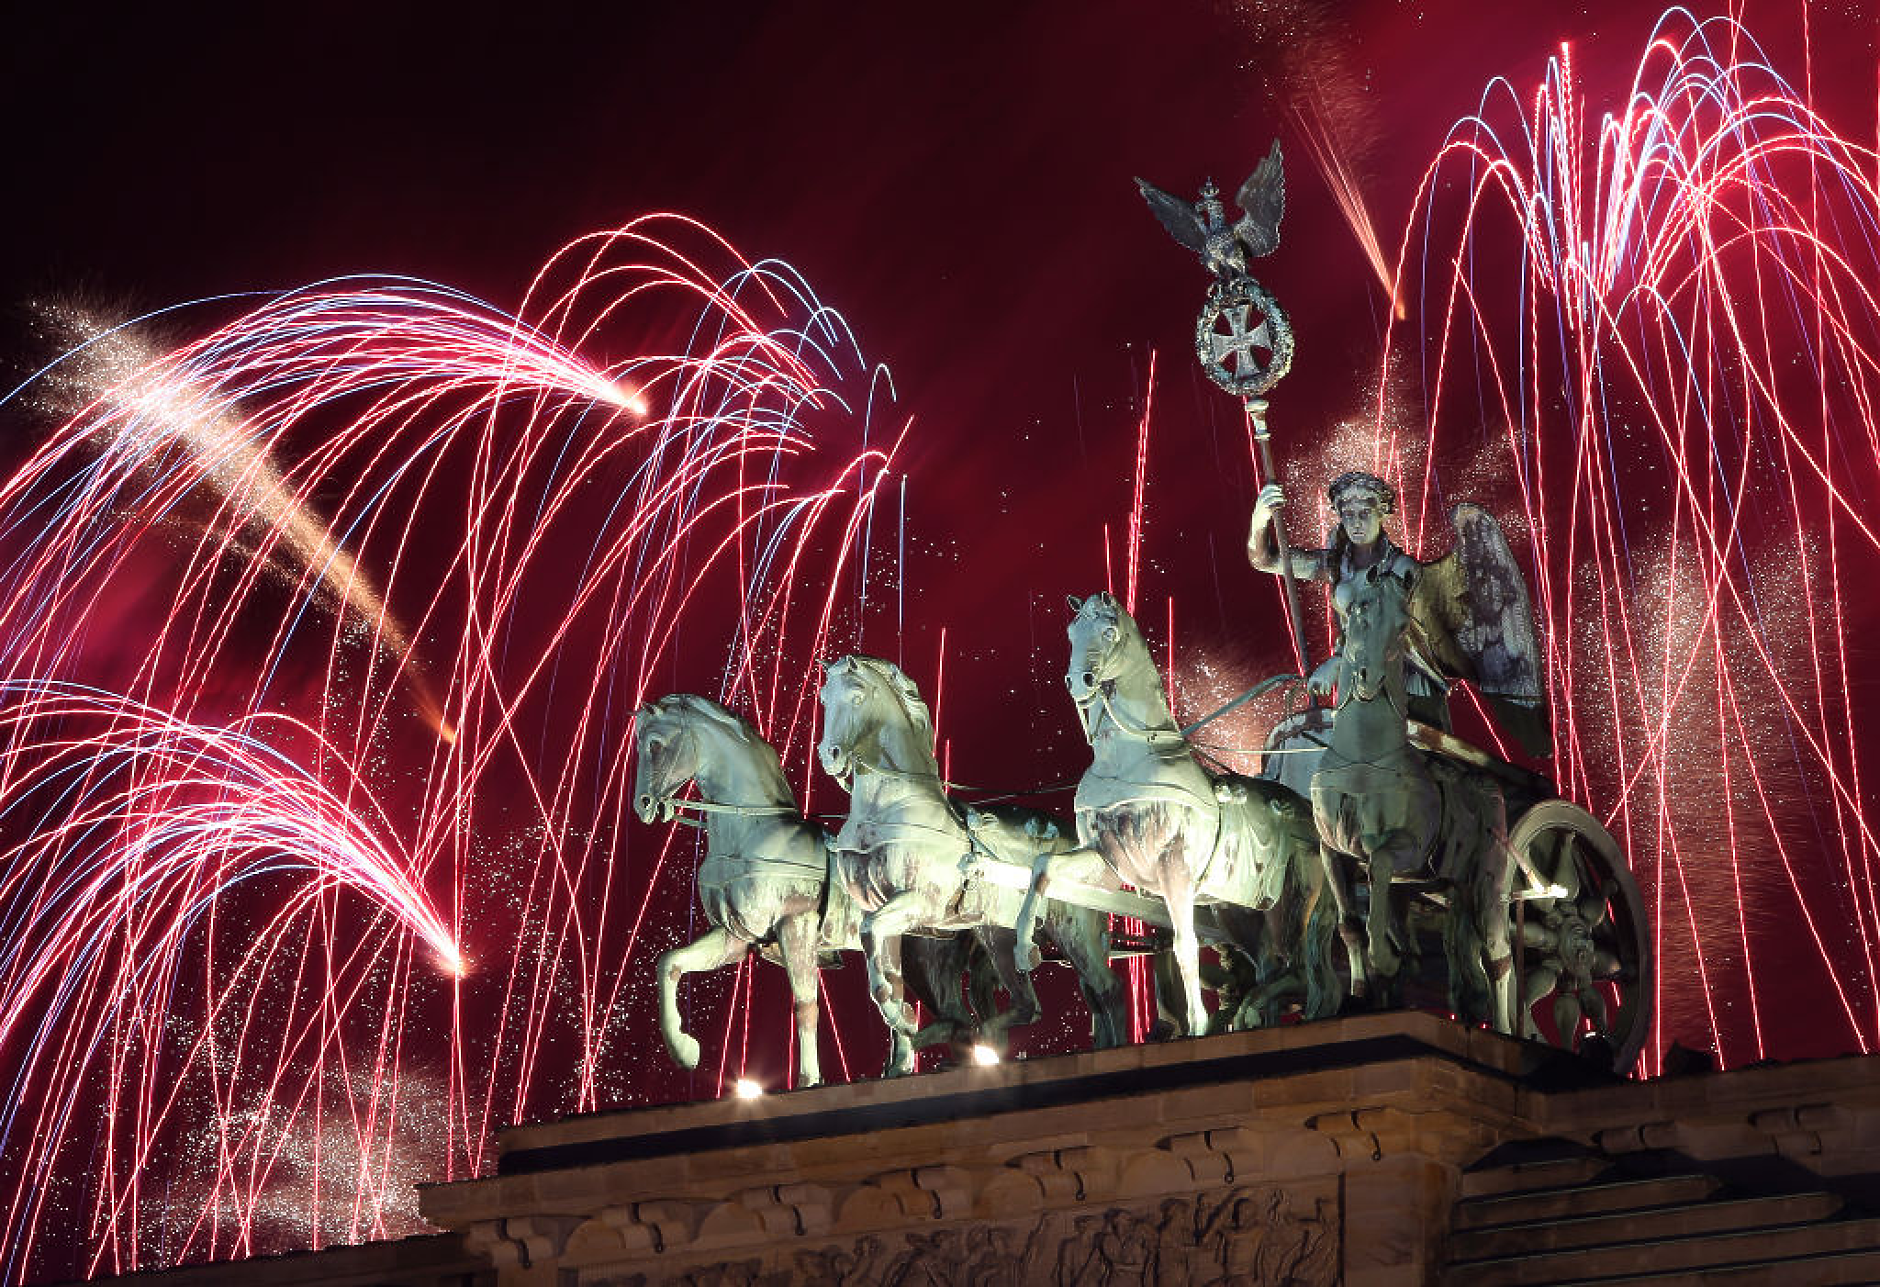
(1583, 951)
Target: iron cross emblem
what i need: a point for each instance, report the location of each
(1255, 349)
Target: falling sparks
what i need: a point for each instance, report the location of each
(321, 633)
(1668, 322)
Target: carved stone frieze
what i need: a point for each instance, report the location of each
(1252, 1235)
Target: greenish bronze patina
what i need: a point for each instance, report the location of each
(906, 857)
(764, 884)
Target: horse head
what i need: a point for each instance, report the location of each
(1104, 644)
(668, 757)
(1376, 616)
(872, 713)
(683, 737)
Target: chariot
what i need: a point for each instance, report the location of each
(1577, 922)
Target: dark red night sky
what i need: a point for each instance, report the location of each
(954, 179)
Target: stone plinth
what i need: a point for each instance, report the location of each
(1386, 1149)
(1308, 1154)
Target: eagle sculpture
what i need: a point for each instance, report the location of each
(1202, 225)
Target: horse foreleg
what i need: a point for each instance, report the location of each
(1023, 1009)
(718, 947)
(796, 940)
(982, 962)
(931, 968)
(1171, 1000)
(1383, 931)
(1180, 901)
(1080, 866)
(1348, 928)
(1320, 913)
(1260, 1008)
(1258, 940)
(901, 1048)
(881, 947)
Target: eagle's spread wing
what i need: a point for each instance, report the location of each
(1471, 608)
(1177, 216)
(1263, 200)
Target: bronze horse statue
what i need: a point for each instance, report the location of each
(764, 882)
(1149, 814)
(908, 859)
(1410, 820)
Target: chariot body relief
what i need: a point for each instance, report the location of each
(1357, 545)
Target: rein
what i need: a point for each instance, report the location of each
(1144, 732)
(1260, 689)
(736, 810)
(846, 780)
(700, 805)
(992, 795)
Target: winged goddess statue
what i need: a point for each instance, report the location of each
(1202, 225)
(1470, 615)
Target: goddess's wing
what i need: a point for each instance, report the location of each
(1472, 609)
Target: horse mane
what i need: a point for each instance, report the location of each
(1104, 604)
(740, 729)
(904, 691)
(1108, 605)
(716, 712)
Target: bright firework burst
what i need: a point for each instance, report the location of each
(1667, 322)
(287, 994)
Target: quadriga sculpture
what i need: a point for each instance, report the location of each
(1408, 818)
(1150, 815)
(764, 881)
(905, 855)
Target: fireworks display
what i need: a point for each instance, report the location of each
(322, 864)
(324, 612)
(1657, 319)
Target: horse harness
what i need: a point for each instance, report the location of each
(1165, 743)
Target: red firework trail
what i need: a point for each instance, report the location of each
(142, 831)
(1669, 322)
(1309, 116)
(380, 531)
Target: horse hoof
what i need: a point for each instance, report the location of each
(1248, 1018)
(685, 1051)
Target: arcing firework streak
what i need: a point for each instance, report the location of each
(452, 548)
(1670, 323)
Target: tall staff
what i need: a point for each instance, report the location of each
(1242, 338)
